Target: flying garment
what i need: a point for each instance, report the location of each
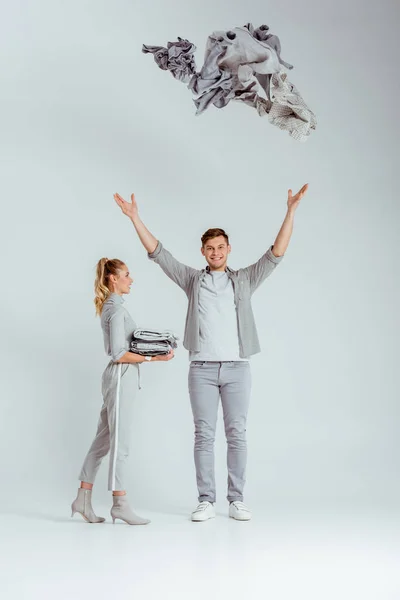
(243, 64)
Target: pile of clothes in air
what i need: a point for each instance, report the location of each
(242, 64)
(150, 342)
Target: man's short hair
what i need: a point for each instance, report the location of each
(213, 233)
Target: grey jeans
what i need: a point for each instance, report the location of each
(208, 381)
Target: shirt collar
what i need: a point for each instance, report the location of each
(115, 299)
(228, 271)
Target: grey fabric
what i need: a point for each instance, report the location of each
(150, 348)
(176, 58)
(208, 381)
(117, 325)
(235, 56)
(217, 319)
(245, 282)
(150, 342)
(239, 65)
(261, 34)
(288, 110)
(119, 388)
(153, 335)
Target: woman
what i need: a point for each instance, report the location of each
(119, 384)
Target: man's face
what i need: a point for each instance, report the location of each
(216, 252)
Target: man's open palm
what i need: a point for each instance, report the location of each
(294, 201)
(129, 209)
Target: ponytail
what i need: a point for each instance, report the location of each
(105, 267)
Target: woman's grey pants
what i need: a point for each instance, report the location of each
(119, 388)
(207, 382)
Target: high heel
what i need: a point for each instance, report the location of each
(83, 505)
(121, 510)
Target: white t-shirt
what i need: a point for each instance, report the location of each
(219, 340)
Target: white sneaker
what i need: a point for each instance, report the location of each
(203, 512)
(239, 511)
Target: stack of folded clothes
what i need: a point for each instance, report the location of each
(151, 342)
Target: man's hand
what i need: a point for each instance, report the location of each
(285, 232)
(129, 209)
(294, 201)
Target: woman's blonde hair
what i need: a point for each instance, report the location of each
(105, 267)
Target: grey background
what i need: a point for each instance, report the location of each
(84, 114)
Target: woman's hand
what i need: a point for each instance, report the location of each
(164, 357)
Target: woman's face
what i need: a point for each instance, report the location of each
(122, 283)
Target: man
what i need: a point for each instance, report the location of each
(221, 335)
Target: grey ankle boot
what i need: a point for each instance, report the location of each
(121, 510)
(83, 505)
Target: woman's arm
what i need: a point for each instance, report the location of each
(118, 343)
(132, 358)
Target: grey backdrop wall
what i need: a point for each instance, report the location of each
(84, 114)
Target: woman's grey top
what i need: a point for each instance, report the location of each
(118, 327)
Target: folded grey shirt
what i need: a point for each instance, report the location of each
(150, 348)
(153, 335)
(152, 342)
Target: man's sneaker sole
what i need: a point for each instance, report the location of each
(200, 520)
(240, 518)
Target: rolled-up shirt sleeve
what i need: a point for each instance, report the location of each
(260, 270)
(118, 343)
(179, 273)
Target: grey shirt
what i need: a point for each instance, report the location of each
(245, 281)
(117, 325)
(219, 339)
